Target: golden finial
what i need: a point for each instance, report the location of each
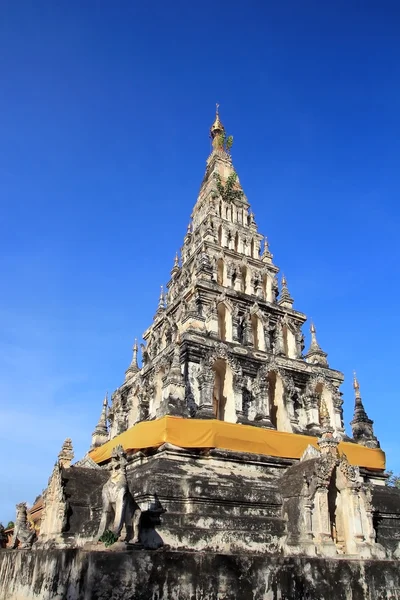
(312, 328)
(216, 127)
(284, 282)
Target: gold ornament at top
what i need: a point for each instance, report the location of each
(217, 127)
(356, 385)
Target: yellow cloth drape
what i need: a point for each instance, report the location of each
(198, 433)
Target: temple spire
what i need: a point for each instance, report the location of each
(175, 268)
(133, 367)
(161, 302)
(361, 425)
(216, 128)
(266, 255)
(315, 354)
(66, 454)
(100, 433)
(285, 300)
(327, 442)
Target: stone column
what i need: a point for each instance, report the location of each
(206, 380)
(238, 386)
(357, 520)
(308, 533)
(322, 527)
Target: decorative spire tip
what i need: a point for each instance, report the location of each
(356, 385)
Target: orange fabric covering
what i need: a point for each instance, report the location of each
(198, 433)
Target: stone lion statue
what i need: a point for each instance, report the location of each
(22, 531)
(119, 507)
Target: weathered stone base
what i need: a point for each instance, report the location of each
(135, 574)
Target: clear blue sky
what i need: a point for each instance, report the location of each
(104, 116)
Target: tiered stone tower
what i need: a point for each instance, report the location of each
(225, 343)
(225, 450)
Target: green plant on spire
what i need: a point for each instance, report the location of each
(228, 191)
(223, 142)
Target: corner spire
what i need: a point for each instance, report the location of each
(328, 442)
(133, 367)
(100, 433)
(66, 454)
(285, 299)
(161, 302)
(361, 425)
(175, 268)
(316, 355)
(266, 255)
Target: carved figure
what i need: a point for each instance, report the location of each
(145, 355)
(299, 337)
(278, 339)
(118, 501)
(22, 531)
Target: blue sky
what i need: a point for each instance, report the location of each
(104, 116)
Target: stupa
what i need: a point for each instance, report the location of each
(227, 443)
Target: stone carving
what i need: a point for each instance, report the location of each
(279, 347)
(66, 454)
(260, 388)
(145, 355)
(22, 531)
(351, 473)
(119, 507)
(55, 506)
(300, 345)
(247, 333)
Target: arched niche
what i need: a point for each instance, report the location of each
(134, 412)
(223, 398)
(220, 234)
(236, 244)
(258, 332)
(243, 272)
(156, 400)
(324, 393)
(220, 271)
(336, 509)
(278, 412)
(224, 321)
(289, 341)
(267, 288)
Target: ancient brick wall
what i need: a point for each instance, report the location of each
(164, 575)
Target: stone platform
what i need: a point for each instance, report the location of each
(76, 574)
